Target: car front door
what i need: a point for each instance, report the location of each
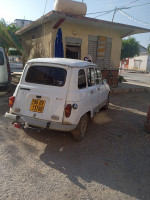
(93, 88)
(102, 92)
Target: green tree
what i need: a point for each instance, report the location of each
(130, 48)
(4, 37)
(7, 36)
(148, 48)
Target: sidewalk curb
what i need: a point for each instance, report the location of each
(136, 71)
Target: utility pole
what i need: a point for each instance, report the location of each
(116, 10)
(114, 14)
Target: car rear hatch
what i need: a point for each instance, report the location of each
(42, 92)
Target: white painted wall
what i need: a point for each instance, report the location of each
(143, 62)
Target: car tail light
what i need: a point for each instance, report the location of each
(11, 101)
(68, 109)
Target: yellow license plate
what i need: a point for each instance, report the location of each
(37, 105)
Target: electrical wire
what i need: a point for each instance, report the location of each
(113, 9)
(45, 6)
(99, 12)
(104, 13)
(120, 8)
(133, 18)
(131, 2)
(140, 5)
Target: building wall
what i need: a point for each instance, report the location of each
(83, 31)
(139, 62)
(40, 41)
(21, 22)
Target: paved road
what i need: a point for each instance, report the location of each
(16, 67)
(137, 78)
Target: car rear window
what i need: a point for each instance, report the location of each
(45, 75)
(1, 58)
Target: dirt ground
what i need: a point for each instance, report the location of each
(112, 162)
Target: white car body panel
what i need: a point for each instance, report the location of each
(3, 69)
(88, 99)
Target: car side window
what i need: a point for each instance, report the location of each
(90, 77)
(98, 77)
(81, 79)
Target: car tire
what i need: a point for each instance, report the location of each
(105, 107)
(80, 131)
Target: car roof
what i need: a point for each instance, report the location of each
(63, 61)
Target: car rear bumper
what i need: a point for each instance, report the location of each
(29, 122)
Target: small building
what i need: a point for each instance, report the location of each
(141, 62)
(82, 36)
(20, 23)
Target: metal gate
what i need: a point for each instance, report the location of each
(92, 47)
(108, 53)
(100, 50)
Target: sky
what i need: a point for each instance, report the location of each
(34, 9)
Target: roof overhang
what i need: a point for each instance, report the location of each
(123, 29)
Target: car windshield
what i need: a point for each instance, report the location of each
(45, 75)
(1, 58)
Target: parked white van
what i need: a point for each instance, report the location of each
(5, 74)
(58, 94)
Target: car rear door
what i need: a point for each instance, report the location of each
(42, 92)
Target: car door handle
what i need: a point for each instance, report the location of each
(24, 88)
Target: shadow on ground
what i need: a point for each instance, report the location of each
(129, 87)
(114, 153)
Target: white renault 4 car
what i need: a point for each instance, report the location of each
(58, 94)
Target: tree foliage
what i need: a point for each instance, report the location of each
(14, 52)
(8, 39)
(130, 48)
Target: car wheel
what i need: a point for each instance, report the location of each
(105, 107)
(80, 131)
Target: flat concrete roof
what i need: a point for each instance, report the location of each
(123, 29)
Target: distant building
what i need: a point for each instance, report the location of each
(22, 22)
(141, 62)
